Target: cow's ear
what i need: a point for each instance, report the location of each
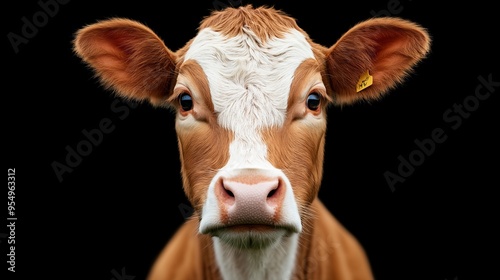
(372, 57)
(128, 58)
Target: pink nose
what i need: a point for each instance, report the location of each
(250, 200)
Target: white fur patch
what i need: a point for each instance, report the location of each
(249, 82)
(276, 263)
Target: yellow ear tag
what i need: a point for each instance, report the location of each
(365, 81)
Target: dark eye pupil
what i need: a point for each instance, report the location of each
(313, 101)
(186, 102)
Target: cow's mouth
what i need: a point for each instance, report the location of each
(251, 236)
(251, 228)
(245, 228)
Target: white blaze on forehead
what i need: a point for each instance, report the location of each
(249, 83)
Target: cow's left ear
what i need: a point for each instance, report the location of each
(373, 57)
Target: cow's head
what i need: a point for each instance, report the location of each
(250, 93)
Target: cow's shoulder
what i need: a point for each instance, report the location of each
(185, 256)
(335, 253)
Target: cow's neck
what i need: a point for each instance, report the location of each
(274, 262)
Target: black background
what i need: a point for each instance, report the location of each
(120, 205)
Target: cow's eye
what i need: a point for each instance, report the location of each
(186, 101)
(313, 101)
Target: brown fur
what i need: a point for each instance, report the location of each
(301, 159)
(204, 151)
(264, 22)
(131, 59)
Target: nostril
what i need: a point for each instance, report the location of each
(223, 193)
(274, 196)
(271, 193)
(230, 193)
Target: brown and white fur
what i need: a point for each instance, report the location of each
(251, 132)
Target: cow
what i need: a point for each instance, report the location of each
(250, 93)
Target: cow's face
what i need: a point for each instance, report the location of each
(250, 93)
(251, 125)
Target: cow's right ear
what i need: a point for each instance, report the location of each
(373, 57)
(128, 58)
